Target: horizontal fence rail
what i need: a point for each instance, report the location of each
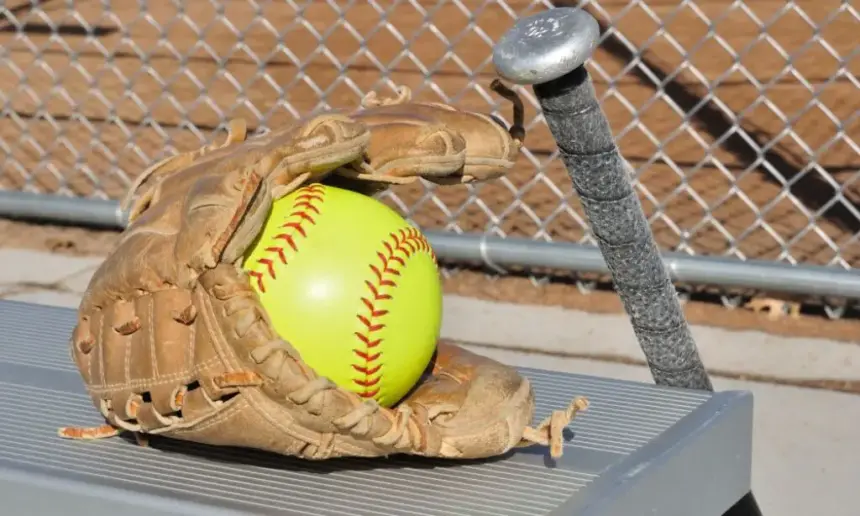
(740, 120)
(497, 252)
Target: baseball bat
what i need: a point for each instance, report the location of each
(548, 51)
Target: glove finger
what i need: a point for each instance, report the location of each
(322, 145)
(480, 406)
(236, 133)
(490, 149)
(405, 147)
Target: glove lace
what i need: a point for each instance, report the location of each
(550, 431)
(403, 434)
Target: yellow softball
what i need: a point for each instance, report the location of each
(352, 286)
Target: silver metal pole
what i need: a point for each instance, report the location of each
(503, 252)
(703, 270)
(62, 209)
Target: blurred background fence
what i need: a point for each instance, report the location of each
(739, 119)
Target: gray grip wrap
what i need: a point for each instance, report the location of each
(600, 177)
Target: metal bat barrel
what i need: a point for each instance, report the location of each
(548, 51)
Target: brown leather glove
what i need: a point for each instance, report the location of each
(172, 340)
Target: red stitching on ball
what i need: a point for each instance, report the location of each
(406, 242)
(305, 207)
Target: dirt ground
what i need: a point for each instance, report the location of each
(744, 174)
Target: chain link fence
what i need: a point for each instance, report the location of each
(739, 119)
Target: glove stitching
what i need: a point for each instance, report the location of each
(127, 361)
(161, 380)
(406, 242)
(101, 363)
(150, 308)
(191, 348)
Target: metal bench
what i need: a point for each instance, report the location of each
(639, 449)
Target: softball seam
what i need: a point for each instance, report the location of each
(405, 241)
(304, 210)
(408, 242)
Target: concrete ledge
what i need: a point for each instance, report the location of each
(573, 333)
(59, 280)
(26, 267)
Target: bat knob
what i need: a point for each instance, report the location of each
(546, 46)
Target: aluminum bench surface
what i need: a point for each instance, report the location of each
(639, 449)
